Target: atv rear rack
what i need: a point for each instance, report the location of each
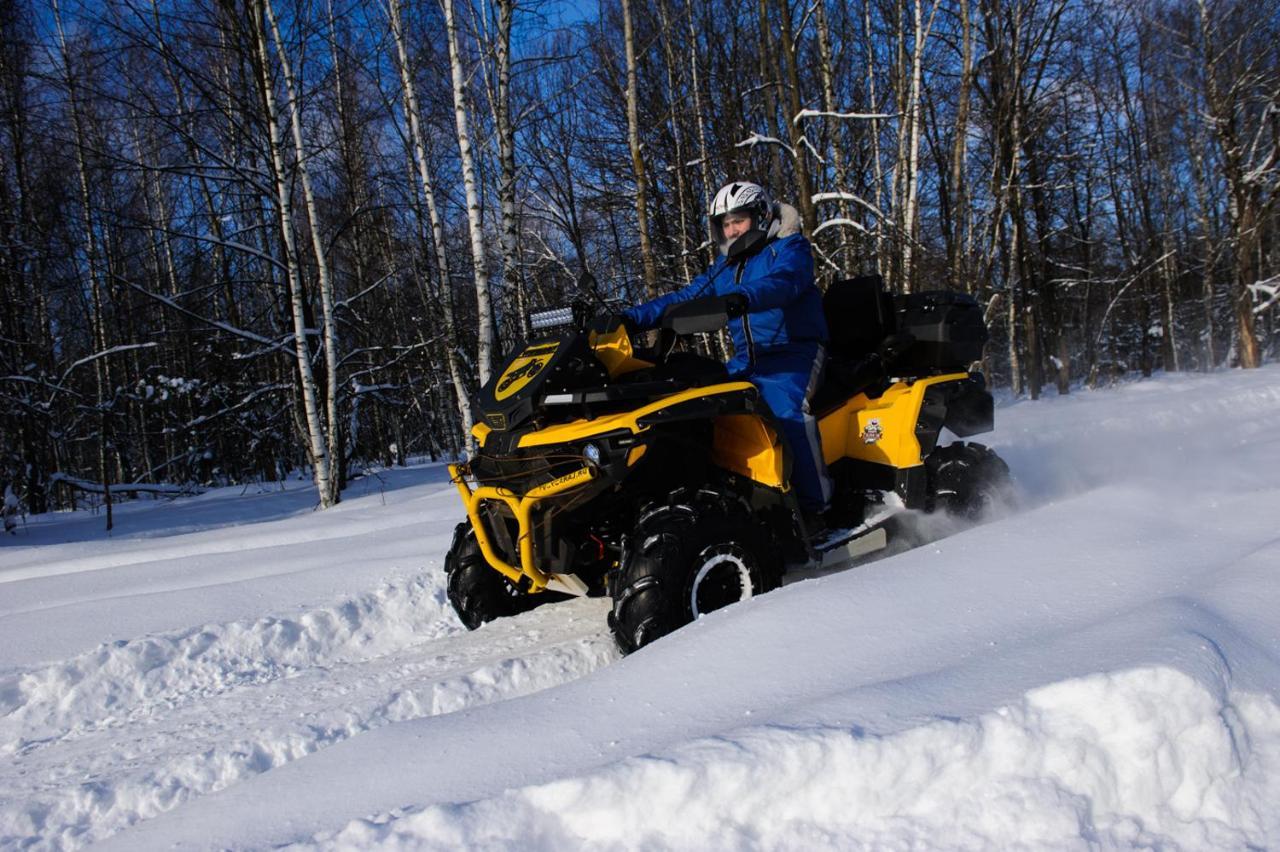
(522, 508)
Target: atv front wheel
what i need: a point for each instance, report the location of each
(689, 558)
(478, 593)
(967, 480)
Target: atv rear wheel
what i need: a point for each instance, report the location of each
(480, 594)
(967, 481)
(690, 557)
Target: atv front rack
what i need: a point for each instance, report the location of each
(522, 508)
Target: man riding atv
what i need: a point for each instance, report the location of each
(765, 272)
(677, 485)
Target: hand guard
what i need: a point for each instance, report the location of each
(735, 305)
(607, 323)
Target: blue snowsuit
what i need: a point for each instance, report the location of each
(788, 333)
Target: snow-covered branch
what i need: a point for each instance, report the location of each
(757, 139)
(819, 197)
(1269, 291)
(858, 116)
(116, 488)
(845, 223)
(89, 359)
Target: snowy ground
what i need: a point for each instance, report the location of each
(1100, 669)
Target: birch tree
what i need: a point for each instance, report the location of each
(318, 444)
(484, 309)
(417, 144)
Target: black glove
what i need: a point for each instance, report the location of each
(892, 347)
(735, 305)
(607, 323)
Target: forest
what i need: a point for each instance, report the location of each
(242, 240)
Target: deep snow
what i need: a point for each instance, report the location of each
(1100, 668)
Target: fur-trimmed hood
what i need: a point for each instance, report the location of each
(786, 221)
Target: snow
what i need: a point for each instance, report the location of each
(1098, 669)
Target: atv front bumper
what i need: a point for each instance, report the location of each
(522, 507)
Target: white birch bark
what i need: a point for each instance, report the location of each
(317, 443)
(418, 146)
(329, 327)
(484, 319)
(912, 184)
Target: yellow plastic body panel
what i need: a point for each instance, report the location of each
(615, 351)
(480, 431)
(578, 430)
(744, 444)
(881, 430)
(522, 508)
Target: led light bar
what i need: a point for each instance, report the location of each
(549, 319)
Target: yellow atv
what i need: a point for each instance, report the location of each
(650, 476)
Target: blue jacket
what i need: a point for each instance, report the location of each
(784, 304)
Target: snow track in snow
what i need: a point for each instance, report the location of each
(133, 729)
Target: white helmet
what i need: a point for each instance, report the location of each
(741, 197)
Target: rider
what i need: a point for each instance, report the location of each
(765, 271)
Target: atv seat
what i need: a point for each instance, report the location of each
(860, 316)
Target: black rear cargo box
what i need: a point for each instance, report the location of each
(948, 328)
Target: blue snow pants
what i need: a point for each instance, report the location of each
(787, 377)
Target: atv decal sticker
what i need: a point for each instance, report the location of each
(872, 432)
(522, 370)
(581, 473)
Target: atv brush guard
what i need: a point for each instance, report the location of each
(527, 574)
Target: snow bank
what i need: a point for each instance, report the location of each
(225, 703)
(1146, 757)
(135, 678)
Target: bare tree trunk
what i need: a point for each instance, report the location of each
(798, 141)
(877, 168)
(912, 182)
(959, 156)
(329, 327)
(637, 159)
(418, 145)
(1198, 168)
(484, 309)
(318, 445)
(826, 74)
(704, 166)
(501, 105)
(96, 320)
(668, 54)
(767, 69)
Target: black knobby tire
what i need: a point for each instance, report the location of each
(478, 593)
(687, 558)
(967, 481)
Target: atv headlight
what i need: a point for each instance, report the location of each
(591, 453)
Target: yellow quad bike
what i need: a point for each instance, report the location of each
(650, 476)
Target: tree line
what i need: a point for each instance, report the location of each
(240, 238)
